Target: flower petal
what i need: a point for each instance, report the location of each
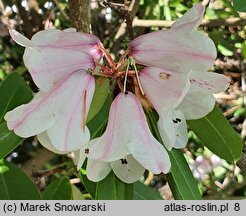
(68, 39)
(197, 103)
(44, 140)
(48, 66)
(51, 55)
(97, 170)
(212, 82)
(191, 19)
(150, 154)
(46, 108)
(128, 169)
(68, 133)
(180, 48)
(128, 133)
(19, 38)
(173, 129)
(164, 88)
(79, 158)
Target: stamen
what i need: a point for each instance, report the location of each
(125, 80)
(176, 120)
(84, 111)
(87, 151)
(108, 57)
(124, 161)
(136, 72)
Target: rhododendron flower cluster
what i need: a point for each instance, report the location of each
(172, 79)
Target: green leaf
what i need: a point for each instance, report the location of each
(225, 48)
(99, 97)
(96, 127)
(143, 192)
(180, 178)
(140, 191)
(8, 140)
(13, 92)
(181, 181)
(60, 189)
(76, 194)
(112, 188)
(215, 132)
(239, 5)
(89, 185)
(97, 124)
(15, 184)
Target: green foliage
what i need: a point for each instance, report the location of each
(99, 97)
(181, 181)
(112, 188)
(13, 92)
(216, 134)
(98, 123)
(240, 5)
(180, 178)
(140, 191)
(15, 185)
(143, 192)
(213, 131)
(60, 189)
(89, 185)
(8, 140)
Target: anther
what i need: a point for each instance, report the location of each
(87, 151)
(176, 120)
(123, 161)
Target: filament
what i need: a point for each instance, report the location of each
(125, 80)
(136, 72)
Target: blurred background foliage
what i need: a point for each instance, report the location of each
(217, 178)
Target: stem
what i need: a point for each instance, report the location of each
(80, 15)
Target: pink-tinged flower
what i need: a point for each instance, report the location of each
(58, 112)
(58, 62)
(52, 55)
(197, 103)
(180, 48)
(166, 89)
(127, 134)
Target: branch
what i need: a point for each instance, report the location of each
(242, 163)
(80, 15)
(209, 23)
(133, 8)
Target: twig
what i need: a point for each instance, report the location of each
(209, 23)
(242, 163)
(133, 8)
